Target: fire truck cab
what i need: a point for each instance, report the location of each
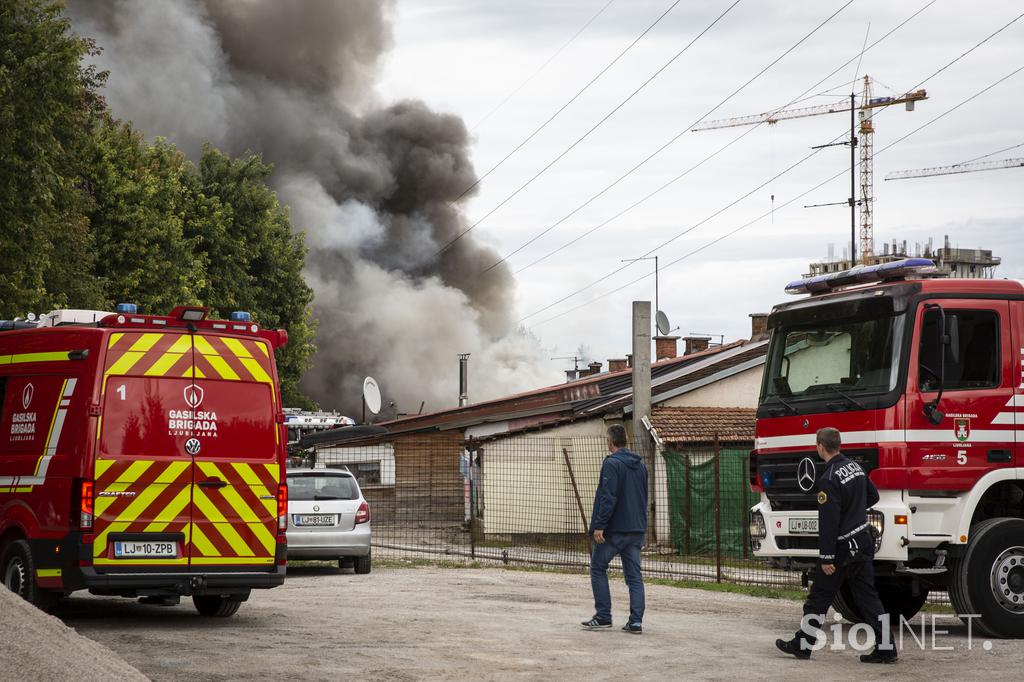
(925, 380)
(141, 456)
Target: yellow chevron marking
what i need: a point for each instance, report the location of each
(236, 347)
(250, 517)
(48, 572)
(114, 338)
(194, 373)
(102, 465)
(49, 433)
(263, 348)
(171, 473)
(132, 473)
(164, 363)
(250, 477)
(166, 516)
(214, 358)
(134, 354)
(100, 543)
(201, 542)
(245, 357)
(217, 520)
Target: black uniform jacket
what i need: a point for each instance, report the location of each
(844, 495)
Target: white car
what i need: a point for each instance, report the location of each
(328, 518)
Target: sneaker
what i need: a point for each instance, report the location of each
(880, 656)
(596, 623)
(633, 628)
(792, 647)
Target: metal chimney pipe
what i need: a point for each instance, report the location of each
(463, 379)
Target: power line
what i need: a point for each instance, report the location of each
(666, 144)
(665, 186)
(543, 66)
(545, 124)
(985, 156)
(775, 177)
(787, 203)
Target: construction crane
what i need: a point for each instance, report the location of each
(957, 168)
(863, 138)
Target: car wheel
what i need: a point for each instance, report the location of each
(17, 570)
(215, 605)
(990, 577)
(363, 564)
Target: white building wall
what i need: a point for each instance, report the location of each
(739, 390)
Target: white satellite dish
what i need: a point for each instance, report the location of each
(661, 319)
(371, 395)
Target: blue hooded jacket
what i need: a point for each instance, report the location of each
(620, 504)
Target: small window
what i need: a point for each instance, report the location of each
(367, 473)
(977, 362)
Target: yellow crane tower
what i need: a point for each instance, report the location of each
(860, 136)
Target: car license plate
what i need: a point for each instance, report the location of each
(145, 550)
(314, 520)
(802, 526)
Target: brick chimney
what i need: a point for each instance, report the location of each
(758, 326)
(618, 364)
(665, 347)
(595, 367)
(695, 344)
(629, 361)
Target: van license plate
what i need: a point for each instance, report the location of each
(803, 526)
(145, 550)
(314, 520)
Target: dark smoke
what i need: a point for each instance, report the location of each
(370, 184)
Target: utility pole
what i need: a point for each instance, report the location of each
(853, 179)
(642, 392)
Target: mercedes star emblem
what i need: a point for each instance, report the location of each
(805, 474)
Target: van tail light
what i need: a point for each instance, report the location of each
(363, 513)
(86, 508)
(282, 508)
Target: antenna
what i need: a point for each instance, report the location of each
(664, 328)
(371, 397)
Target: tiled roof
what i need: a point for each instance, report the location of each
(701, 424)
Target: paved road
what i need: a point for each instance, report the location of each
(427, 623)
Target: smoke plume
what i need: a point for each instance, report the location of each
(371, 184)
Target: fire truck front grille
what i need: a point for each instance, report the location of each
(779, 474)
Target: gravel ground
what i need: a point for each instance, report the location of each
(36, 646)
(430, 623)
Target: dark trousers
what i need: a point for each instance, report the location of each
(860, 576)
(627, 546)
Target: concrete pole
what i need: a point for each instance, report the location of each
(642, 399)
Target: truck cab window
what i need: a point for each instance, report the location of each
(975, 362)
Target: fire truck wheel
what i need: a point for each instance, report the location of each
(990, 577)
(17, 570)
(216, 606)
(897, 598)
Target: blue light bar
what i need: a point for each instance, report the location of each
(240, 316)
(862, 274)
(127, 308)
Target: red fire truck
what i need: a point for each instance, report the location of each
(924, 377)
(141, 456)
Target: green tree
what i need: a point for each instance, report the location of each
(48, 104)
(253, 258)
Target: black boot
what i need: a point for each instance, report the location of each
(880, 656)
(792, 647)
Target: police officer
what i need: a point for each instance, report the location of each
(846, 552)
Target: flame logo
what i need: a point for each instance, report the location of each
(193, 396)
(26, 396)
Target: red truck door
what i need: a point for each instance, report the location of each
(1017, 364)
(980, 383)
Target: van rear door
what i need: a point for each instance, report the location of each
(235, 441)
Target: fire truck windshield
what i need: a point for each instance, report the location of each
(835, 352)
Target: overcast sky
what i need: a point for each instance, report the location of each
(466, 56)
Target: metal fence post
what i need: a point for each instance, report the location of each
(472, 498)
(718, 517)
(688, 520)
(745, 511)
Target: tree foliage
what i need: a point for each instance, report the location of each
(92, 214)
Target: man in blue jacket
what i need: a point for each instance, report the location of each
(618, 524)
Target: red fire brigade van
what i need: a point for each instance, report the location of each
(141, 456)
(924, 378)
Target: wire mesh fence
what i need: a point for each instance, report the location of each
(527, 500)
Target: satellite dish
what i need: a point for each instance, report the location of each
(371, 394)
(662, 321)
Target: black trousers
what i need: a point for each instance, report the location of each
(860, 576)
